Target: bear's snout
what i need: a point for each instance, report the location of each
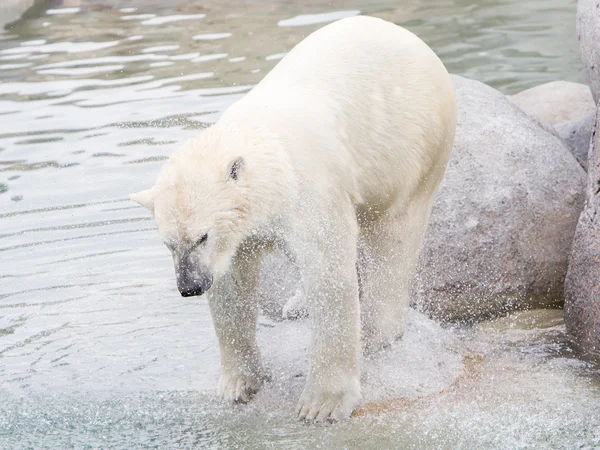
(192, 279)
(192, 291)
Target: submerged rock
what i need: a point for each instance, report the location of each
(582, 285)
(588, 33)
(556, 102)
(501, 229)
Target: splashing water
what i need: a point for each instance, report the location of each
(97, 348)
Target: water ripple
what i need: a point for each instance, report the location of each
(72, 226)
(98, 348)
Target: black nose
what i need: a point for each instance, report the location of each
(193, 278)
(189, 286)
(190, 292)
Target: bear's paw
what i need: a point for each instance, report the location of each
(332, 400)
(239, 387)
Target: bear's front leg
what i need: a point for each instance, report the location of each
(234, 311)
(332, 389)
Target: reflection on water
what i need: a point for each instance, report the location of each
(97, 348)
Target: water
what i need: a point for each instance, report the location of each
(97, 348)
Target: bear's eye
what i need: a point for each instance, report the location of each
(201, 241)
(236, 168)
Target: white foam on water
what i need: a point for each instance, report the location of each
(161, 48)
(102, 60)
(62, 47)
(313, 19)
(34, 42)
(59, 11)
(275, 56)
(82, 70)
(56, 88)
(426, 361)
(211, 36)
(214, 57)
(161, 64)
(14, 66)
(184, 57)
(174, 18)
(11, 57)
(138, 17)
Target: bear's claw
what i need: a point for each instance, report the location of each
(239, 388)
(320, 404)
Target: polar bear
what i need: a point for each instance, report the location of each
(336, 156)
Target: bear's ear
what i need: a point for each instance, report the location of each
(236, 167)
(145, 198)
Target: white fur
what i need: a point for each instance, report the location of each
(344, 144)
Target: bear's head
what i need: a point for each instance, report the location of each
(201, 205)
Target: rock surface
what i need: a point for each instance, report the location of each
(556, 102)
(504, 218)
(588, 33)
(582, 285)
(577, 134)
(11, 10)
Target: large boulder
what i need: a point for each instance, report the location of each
(582, 285)
(556, 102)
(588, 33)
(504, 218)
(567, 109)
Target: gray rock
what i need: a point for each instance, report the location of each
(566, 109)
(577, 134)
(504, 218)
(11, 10)
(582, 284)
(588, 33)
(556, 102)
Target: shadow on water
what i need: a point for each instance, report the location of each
(98, 350)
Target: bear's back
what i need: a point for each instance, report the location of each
(360, 96)
(354, 54)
